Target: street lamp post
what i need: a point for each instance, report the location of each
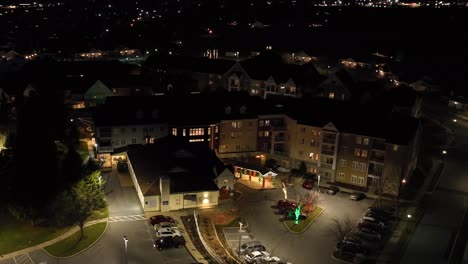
(318, 181)
(240, 236)
(125, 241)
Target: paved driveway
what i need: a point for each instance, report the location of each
(126, 219)
(316, 244)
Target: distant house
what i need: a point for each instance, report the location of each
(97, 94)
(172, 174)
(299, 57)
(337, 86)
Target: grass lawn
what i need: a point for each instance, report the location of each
(303, 224)
(103, 213)
(72, 245)
(16, 235)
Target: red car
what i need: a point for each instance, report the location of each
(161, 218)
(285, 206)
(308, 184)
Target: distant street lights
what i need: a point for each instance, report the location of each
(125, 241)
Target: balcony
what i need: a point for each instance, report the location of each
(328, 140)
(280, 139)
(326, 165)
(376, 158)
(105, 149)
(281, 153)
(327, 152)
(378, 146)
(278, 127)
(375, 173)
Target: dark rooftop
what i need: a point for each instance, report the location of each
(189, 166)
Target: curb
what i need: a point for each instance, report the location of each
(219, 241)
(307, 226)
(83, 250)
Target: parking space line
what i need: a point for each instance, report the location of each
(23, 259)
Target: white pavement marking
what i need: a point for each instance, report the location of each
(127, 218)
(23, 259)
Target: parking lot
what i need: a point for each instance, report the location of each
(316, 243)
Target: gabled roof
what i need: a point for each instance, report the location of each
(98, 88)
(187, 173)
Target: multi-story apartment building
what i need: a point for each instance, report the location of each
(372, 151)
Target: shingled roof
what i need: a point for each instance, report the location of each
(189, 166)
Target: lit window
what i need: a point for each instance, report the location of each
(361, 180)
(364, 153)
(266, 133)
(209, 131)
(197, 140)
(358, 140)
(331, 95)
(362, 166)
(311, 155)
(355, 165)
(184, 132)
(197, 132)
(395, 147)
(357, 152)
(365, 141)
(342, 163)
(174, 131)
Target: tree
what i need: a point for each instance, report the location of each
(72, 165)
(76, 204)
(340, 228)
(302, 168)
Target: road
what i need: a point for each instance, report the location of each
(126, 219)
(445, 208)
(316, 244)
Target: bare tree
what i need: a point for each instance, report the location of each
(340, 228)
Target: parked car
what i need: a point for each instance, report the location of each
(351, 248)
(122, 166)
(372, 221)
(379, 210)
(357, 196)
(369, 225)
(169, 242)
(282, 203)
(370, 232)
(251, 246)
(253, 256)
(380, 217)
(332, 190)
(165, 225)
(167, 232)
(308, 184)
(285, 206)
(161, 218)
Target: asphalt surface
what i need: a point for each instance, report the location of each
(435, 234)
(316, 244)
(127, 219)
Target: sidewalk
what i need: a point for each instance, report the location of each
(50, 242)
